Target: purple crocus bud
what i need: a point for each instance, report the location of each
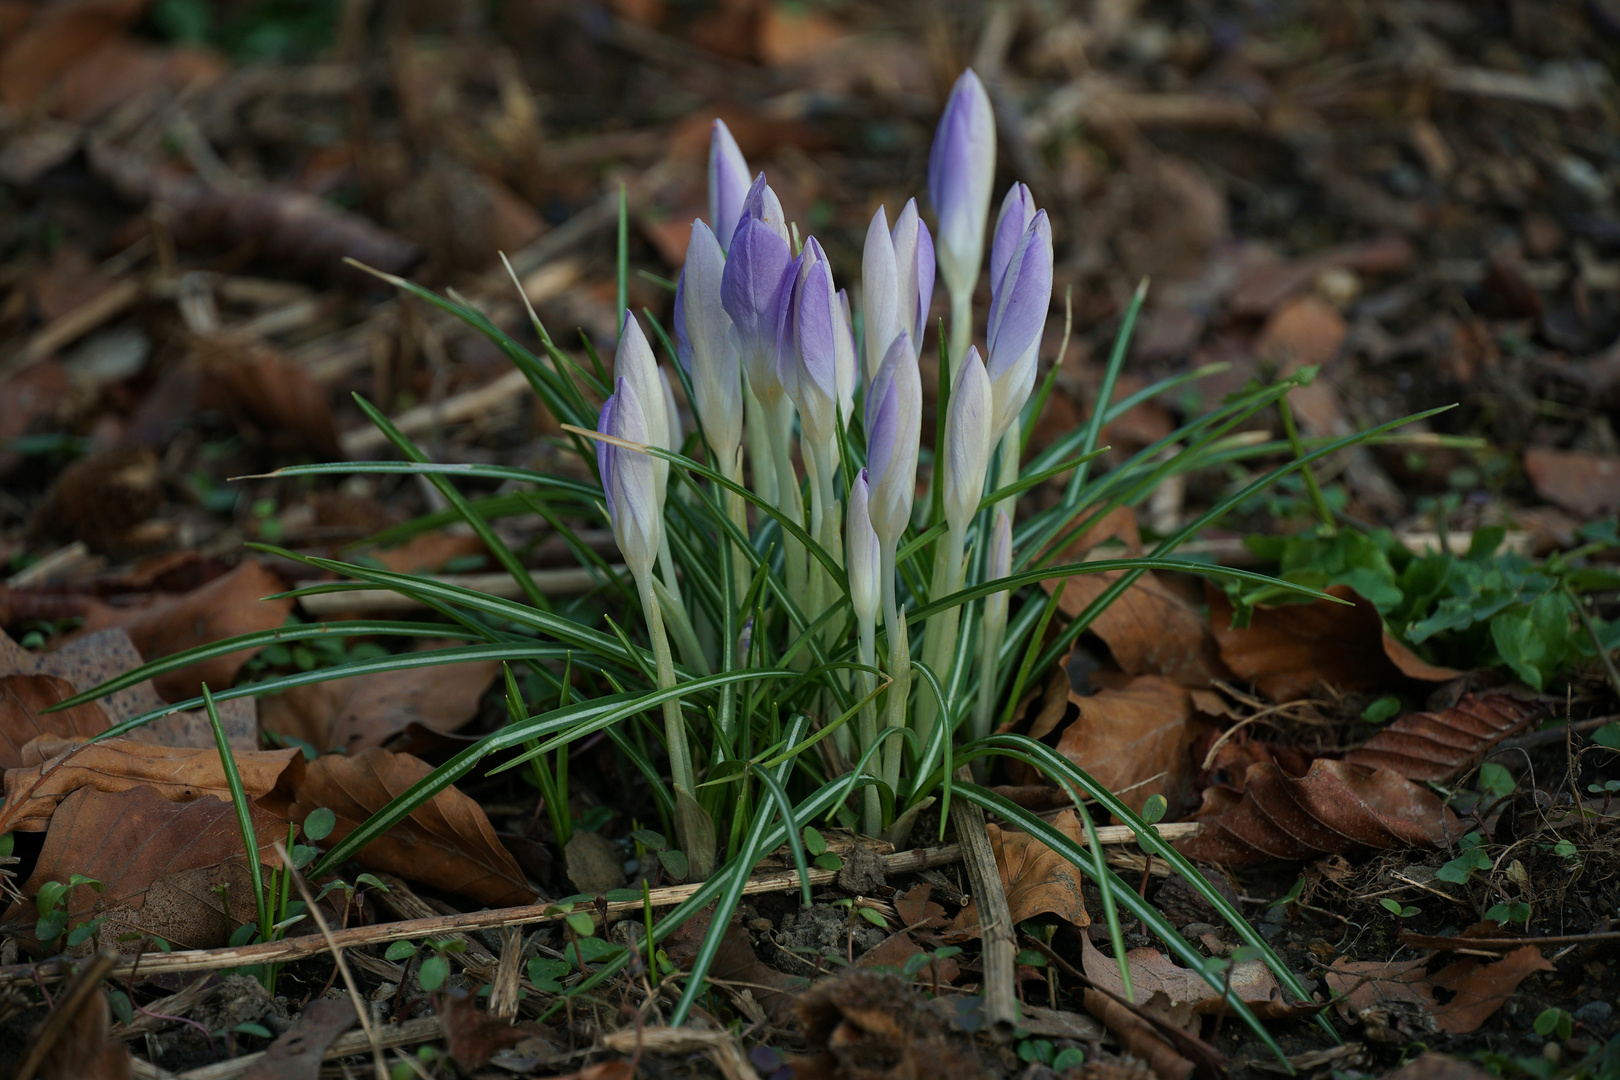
(761, 203)
(634, 363)
(848, 365)
(1017, 319)
(728, 182)
(749, 289)
(967, 442)
(893, 428)
(630, 483)
(705, 344)
(671, 411)
(1017, 211)
(961, 168)
(914, 260)
(812, 337)
(863, 560)
(880, 291)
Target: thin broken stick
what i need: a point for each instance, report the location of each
(289, 949)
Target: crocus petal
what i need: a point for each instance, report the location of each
(705, 343)
(761, 204)
(847, 365)
(880, 291)
(914, 260)
(672, 413)
(967, 441)
(893, 430)
(728, 181)
(634, 363)
(749, 290)
(1017, 211)
(817, 336)
(630, 482)
(961, 168)
(863, 560)
(1017, 320)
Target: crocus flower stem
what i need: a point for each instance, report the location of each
(789, 500)
(992, 622)
(680, 754)
(899, 671)
(759, 445)
(942, 627)
(871, 807)
(961, 328)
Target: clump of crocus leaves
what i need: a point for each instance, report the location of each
(830, 635)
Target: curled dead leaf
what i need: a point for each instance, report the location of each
(23, 701)
(1288, 649)
(166, 866)
(1334, 807)
(1137, 741)
(1439, 745)
(1153, 972)
(447, 843)
(1037, 879)
(1369, 988)
(53, 767)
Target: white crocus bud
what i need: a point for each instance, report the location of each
(893, 431)
(880, 292)
(634, 363)
(712, 363)
(967, 442)
(864, 562)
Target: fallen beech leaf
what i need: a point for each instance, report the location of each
(297, 1052)
(1582, 483)
(917, 910)
(88, 661)
(1477, 989)
(1149, 629)
(1153, 972)
(1137, 741)
(1334, 807)
(366, 711)
(268, 398)
(1288, 649)
(447, 843)
(23, 699)
(1037, 879)
(59, 36)
(163, 864)
(429, 552)
(53, 767)
(229, 605)
(472, 1035)
(897, 948)
(85, 1049)
(735, 960)
(1439, 745)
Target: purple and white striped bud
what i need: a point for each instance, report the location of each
(672, 412)
(751, 287)
(1018, 310)
(848, 362)
(705, 345)
(761, 203)
(893, 430)
(1017, 211)
(961, 168)
(630, 481)
(967, 442)
(864, 559)
(812, 335)
(897, 281)
(728, 182)
(914, 260)
(633, 363)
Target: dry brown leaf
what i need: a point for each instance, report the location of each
(126, 68)
(227, 606)
(1287, 650)
(897, 948)
(23, 699)
(1153, 972)
(1438, 745)
(163, 864)
(268, 398)
(1149, 629)
(1137, 741)
(734, 960)
(916, 910)
(88, 661)
(86, 1049)
(1477, 989)
(1582, 483)
(1332, 808)
(52, 768)
(873, 1025)
(1037, 879)
(447, 843)
(297, 1052)
(59, 37)
(103, 499)
(1138, 1038)
(472, 1035)
(429, 552)
(368, 710)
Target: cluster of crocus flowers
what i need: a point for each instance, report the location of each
(765, 335)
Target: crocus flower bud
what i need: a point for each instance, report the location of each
(961, 168)
(750, 287)
(1017, 211)
(1018, 312)
(880, 291)
(914, 260)
(630, 483)
(705, 345)
(634, 364)
(848, 364)
(761, 203)
(728, 182)
(893, 428)
(864, 562)
(812, 337)
(967, 442)
(671, 412)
